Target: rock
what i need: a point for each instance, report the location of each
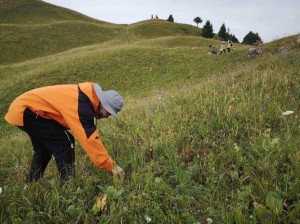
(255, 52)
(284, 50)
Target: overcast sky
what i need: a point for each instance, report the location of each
(271, 19)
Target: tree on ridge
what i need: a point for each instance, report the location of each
(198, 20)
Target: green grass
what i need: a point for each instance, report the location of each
(136, 71)
(157, 28)
(37, 11)
(29, 41)
(32, 28)
(201, 136)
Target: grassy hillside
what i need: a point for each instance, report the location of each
(158, 28)
(40, 29)
(36, 12)
(133, 68)
(32, 28)
(201, 136)
(46, 39)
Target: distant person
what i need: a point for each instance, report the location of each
(229, 45)
(156, 17)
(222, 48)
(46, 114)
(214, 50)
(257, 42)
(151, 16)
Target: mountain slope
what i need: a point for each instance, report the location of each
(157, 28)
(201, 136)
(37, 11)
(32, 28)
(23, 42)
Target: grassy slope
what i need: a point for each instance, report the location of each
(37, 11)
(200, 135)
(156, 28)
(32, 28)
(42, 40)
(134, 68)
(40, 29)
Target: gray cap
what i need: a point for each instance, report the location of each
(110, 100)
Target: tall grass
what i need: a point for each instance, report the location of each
(201, 136)
(219, 149)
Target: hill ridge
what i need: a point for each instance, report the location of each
(45, 35)
(59, 22)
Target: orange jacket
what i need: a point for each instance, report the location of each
(72, 106)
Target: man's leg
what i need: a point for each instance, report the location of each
(64, 154)
(40, 160)
(50, 137)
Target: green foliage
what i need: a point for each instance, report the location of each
(233, 38)
(225, 35)
(223, 32)
(170, 19)
(274, 202)
(207, 30)
(251, 38)
(200, 138)
(197, 20)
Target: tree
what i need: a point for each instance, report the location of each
(226, 35)
(233, 38)
(207, 30)
(170, 19)
(251, 38)
(223, 32)
(198, 20)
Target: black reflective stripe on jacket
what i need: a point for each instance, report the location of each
(86, 113)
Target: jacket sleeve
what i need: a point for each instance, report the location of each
(85, 131)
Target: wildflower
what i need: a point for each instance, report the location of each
(1, 190)
(245, 145)
(209, 220)
(148, 219)
(288, 112)
(251, 216)
(267, 217)
(84, 169)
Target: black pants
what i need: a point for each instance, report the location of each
(48, 138)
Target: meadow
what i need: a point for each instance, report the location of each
(201, 137)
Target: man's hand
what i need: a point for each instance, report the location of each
(117, 170)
